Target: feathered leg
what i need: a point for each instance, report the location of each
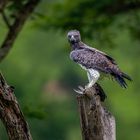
(93, 76)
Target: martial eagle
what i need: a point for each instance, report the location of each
(95, 62)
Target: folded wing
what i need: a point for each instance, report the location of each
(92, 58)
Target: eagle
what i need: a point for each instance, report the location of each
(95, 62)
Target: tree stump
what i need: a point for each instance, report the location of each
(97, 123)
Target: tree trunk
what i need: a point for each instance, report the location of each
(11, 115)
(97, 123)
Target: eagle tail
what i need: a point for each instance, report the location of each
(126, 76)
(120, 78)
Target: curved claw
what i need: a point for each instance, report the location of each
(80, 90)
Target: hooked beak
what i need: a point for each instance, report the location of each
(72, 39)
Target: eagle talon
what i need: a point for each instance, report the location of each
(80, 90)
(87, 86)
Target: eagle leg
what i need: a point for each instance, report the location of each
(93, 76)
(92, 82)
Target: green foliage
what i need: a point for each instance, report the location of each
(92, 17)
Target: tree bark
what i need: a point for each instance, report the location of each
(97, 123)
(11, 115)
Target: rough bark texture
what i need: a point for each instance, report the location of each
(11, 115)
(96, 122)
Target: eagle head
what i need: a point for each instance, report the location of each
(74, 36)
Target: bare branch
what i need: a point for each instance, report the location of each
(15, 29)
(5, 19)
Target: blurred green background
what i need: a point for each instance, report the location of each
(39, 68)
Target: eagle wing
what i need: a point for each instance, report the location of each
(95, 50)
(93, 59)
(90, 58)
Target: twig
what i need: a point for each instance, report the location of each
(5, 19)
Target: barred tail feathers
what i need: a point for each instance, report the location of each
(121, 81)
(126, 76)
(120, 78)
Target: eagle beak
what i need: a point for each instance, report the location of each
(72, 39)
